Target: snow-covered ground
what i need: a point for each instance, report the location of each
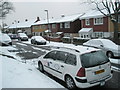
(20, 75)
(15, 74)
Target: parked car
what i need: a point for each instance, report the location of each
(13, 36)
(80, 66)
(5, 40)
(22, 37)
(38, 40)
(110, 48)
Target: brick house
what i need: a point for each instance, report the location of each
(65, 24)
(101, 25)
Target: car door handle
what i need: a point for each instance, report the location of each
(62, 66)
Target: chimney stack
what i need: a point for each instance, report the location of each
(38, 19)
(62, 15)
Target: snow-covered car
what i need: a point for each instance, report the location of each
(22, 37)
(5, 40)
(110, 48)
(80, 66)
(38, 40)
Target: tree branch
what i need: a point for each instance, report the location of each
(112, 5)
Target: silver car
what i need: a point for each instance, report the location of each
(110, 48)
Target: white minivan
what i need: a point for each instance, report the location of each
(80, 66)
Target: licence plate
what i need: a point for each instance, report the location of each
(100, 71)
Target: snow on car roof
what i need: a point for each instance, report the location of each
(79, 48)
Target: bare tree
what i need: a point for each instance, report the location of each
(5, 8)
(113, 11)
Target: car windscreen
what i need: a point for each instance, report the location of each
(22, 35)
(93, 58)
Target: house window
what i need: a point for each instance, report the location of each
(67, 25)
(98, 21)
(53, 25)
(43, 27)
(61, 25)
(87, 21)
(118, 18)
(98, 34)
(81, 35)
(36, 27)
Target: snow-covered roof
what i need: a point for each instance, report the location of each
(69, 18)
(94, 14)
(86, 30)
(45, 21)
(22, 24)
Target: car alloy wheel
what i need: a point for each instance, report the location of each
(40, 67)
(70, 82)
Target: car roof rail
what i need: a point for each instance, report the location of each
(65, 48)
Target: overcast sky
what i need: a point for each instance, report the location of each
(30, 9)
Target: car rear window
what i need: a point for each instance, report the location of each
(93, 58)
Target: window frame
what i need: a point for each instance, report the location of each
(98, 21)
(87, 22)
(50, 57)
(69, 55)
(61, 25)
(58, 57)
(67, 24)
(54, 26)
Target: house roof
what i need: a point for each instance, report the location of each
(94, 14)
(69, 18)
(45, 21)
(26, 24)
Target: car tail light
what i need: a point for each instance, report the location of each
(81, 72)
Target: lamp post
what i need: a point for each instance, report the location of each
(48, 24)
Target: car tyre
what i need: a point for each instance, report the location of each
(110, 54)
(70, 82)
(40, 67)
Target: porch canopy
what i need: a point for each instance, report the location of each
(85, 33)
(86, 30)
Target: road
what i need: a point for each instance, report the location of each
(28, 52)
